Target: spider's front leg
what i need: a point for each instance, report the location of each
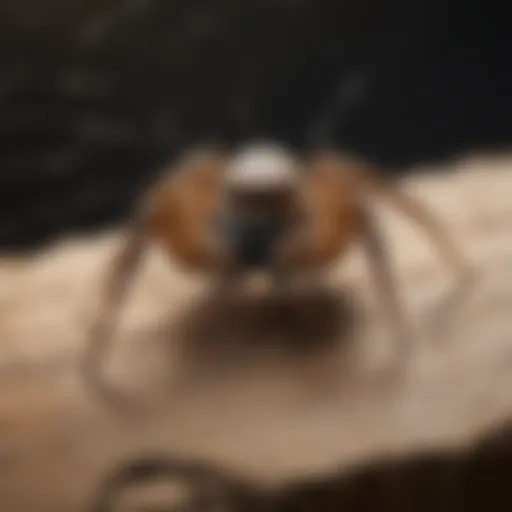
(174, 212)
(464, 271)
(379, 265)
(364, 182)
(307, 253)
(121, 273)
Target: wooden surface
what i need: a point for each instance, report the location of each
(273, 389)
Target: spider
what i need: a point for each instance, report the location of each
(261, 207)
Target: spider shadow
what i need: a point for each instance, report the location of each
(294, 340)
(299, 326)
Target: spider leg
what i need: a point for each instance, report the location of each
(379, 265)
(173, 211)
(465, 273)
(435, 229)
(122, 270)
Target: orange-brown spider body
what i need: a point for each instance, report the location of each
(226, 214)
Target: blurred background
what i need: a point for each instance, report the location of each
(96, 95)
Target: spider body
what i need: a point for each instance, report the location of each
(263, 208)
(214, 215)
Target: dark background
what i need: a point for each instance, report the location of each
(95, 95)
